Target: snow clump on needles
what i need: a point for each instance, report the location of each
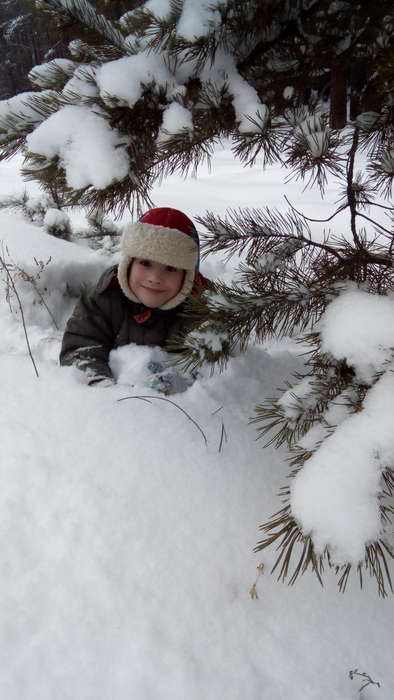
(357, 327)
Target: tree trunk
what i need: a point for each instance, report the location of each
(358, 78)
(338, 97)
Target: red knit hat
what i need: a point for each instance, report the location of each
(166, 236)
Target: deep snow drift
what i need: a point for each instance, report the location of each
(126, 541)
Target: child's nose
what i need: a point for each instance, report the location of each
(155, 275)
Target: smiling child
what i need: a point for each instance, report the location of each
(142, 300)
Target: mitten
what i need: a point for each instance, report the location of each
(170, 382)
(102, 382)
(155, 367)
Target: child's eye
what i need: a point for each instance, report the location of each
(169, 268)
(144, 263)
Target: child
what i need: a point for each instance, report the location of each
(140, 301)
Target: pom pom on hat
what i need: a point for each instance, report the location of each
(166, 236)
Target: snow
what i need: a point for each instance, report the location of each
(245, 100)
(56, 220)
(18, 107)
(347, 469)
(175, 119)
(125, 78)
(293, 400)
(37, 206)
(42, 75)
(197, 18)
(91, 152)
(70, 132)
(359, 327)
(159, 8)
(82, 84)
(316, 135)
(126, 542)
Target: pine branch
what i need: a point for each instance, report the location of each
(179, 153)
(159, 32)
(86, 14)
(21, 118)
(350, 190)
(227, 319)
(296, 549)
(376, 130)
(98, 52)
(213, 117)
(313, 152)
(258, 231)
(303, 408)
(381, 170)
(309, 219)
(266, 139)
(283, 531)
(52, 75)
(251, 232)
(288, 419)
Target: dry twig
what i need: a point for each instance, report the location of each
(11, 283)
(162, 398)
(367, 679)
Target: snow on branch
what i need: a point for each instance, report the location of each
(52, 74)
(90, 152)
(339, 427)
(123, 81)
(359, 327)
(176, 119)
(199, 19)
(347, 468)
(20, 115)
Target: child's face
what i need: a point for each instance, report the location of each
(153, 283)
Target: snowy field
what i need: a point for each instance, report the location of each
(126, 540)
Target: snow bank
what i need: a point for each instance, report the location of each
(50, 270)
(126, 543)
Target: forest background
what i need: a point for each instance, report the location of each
(26, 41)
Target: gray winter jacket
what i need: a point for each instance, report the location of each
(104, 319)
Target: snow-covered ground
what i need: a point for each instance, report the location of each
(125, 540)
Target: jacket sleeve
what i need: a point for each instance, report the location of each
(89, 336)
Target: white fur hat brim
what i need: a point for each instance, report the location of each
(163, 245)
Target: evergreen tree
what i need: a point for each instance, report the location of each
(150, 92)
(192, 74)
(24, 42)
